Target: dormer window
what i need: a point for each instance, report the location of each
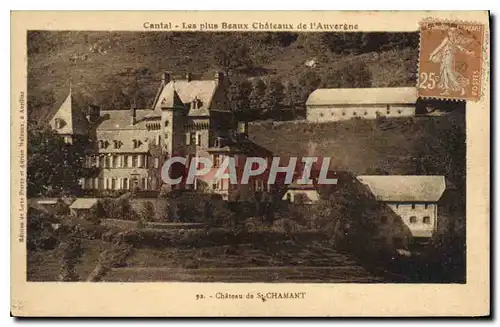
(117, 144)
(136, 143)
(59, 123)
(103, 144)
(196, 103)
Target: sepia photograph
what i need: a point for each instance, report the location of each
(269, 157)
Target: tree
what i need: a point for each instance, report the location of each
(71, 253)
(444, 153)
(342, 213)
(239, 93)
(148, 211)
(308, 82)
(273, 97)
(315, 44)
(293, 98)
(231, 55)
(54, 167)
(256, 96)
(356, 75)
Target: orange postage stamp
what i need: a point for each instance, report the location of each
(450, 65)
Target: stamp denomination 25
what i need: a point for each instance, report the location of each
(450, 60)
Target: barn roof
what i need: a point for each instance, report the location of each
(406, 188)
(356, 96)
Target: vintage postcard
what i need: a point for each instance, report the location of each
(250, 164)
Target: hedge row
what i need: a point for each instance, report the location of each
(151, 238)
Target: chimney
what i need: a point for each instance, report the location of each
(93, 113)
(133, 113)
(219, 77)
(165, 78)
(189, 76)
(243, 128)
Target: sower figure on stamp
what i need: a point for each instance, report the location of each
(444, 54)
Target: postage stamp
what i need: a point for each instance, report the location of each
(450, 60)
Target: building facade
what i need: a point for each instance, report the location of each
(324, 105)
(188, 117)
(411, 209)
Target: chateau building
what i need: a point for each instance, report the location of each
(325, 105)
(130, 146)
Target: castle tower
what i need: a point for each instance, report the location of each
(172, 121)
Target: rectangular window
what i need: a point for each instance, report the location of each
(126, 185)
(134, 160)
(113, 184)
(198, 139)
(125, 162)
(188, 138)
(145, 183)
(115, 161)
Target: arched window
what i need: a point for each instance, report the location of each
(413, 220)
(427, 220)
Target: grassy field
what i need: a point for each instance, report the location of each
(45, 265)
(257, 262)
(356, 145)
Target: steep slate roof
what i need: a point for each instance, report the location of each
(171, 98)
(122, 119)
(73, 119)
(83, 203)
(187, 91)
(399, 188)
(354, 96)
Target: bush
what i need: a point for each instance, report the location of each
(41, 234)
(148, 211)
(119, 208)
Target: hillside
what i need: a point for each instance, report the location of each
(419, 145)
(112, 69)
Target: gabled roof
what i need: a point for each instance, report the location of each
(84, 203)
(170, 98)
(72, 119)
(363, 96)
(405, 188)
(188, 91)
